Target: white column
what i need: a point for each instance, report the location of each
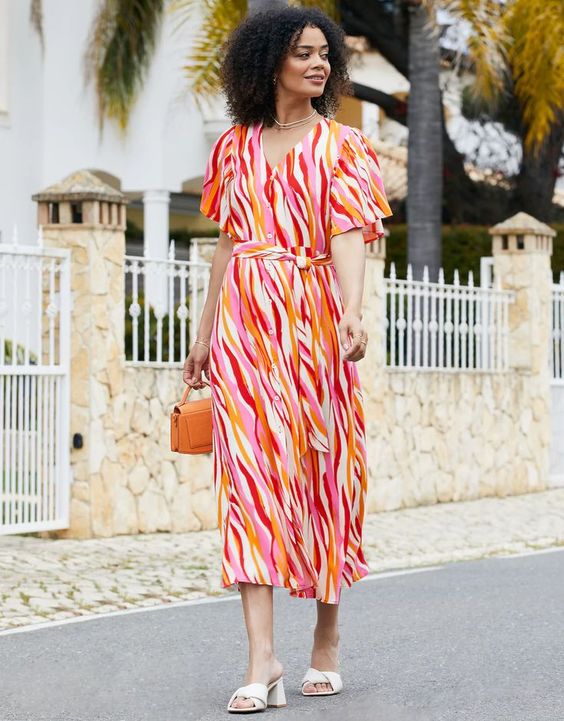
(155, 246)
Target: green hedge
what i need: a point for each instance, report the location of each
(462, 248)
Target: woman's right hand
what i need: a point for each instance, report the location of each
(196, 362)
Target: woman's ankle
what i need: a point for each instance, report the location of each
(261, 655)
(326, 636)
(264, 665)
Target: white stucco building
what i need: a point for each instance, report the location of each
(49, 124)
(49, 128)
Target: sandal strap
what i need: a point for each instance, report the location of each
(332, 677)
(257, 692)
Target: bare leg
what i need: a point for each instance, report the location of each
(325, 652)
(263, 666)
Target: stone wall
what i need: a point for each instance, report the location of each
(162, 490)
(435, 437)
(431, 436)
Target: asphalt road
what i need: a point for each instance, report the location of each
(472, 641)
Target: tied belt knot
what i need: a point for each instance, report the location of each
(310, 398)
(268, 251)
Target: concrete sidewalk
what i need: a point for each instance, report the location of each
(44, 580)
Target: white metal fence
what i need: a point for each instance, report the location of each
(441, 326)
(161, 331)
(557, 349)
(34, 388)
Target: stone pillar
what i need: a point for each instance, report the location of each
(205, 248)
(156, 244)
(372, 366)
(87, 216)
(521, 248)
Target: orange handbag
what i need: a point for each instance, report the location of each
(191, 425)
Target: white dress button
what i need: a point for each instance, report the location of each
(270, 331)
(276, 398)
(269, 235)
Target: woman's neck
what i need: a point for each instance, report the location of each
(292, 113)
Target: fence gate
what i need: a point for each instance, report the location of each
(34, 388)
(557, 385)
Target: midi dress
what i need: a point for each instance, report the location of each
(289, 448)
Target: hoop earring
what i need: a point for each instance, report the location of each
(274, 79)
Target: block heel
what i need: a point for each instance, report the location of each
(276, 695)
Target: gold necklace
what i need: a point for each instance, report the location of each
(295, 123)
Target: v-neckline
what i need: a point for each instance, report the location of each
(272, 168)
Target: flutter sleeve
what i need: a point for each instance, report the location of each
(214, 203)
(357, 196)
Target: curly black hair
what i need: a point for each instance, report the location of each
(255, 51)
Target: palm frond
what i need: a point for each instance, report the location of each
(486, 45)
(36, 19)
(536, 58)
(219, 18)
(120, 48)
(182, 10)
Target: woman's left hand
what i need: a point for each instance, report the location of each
(352, 336)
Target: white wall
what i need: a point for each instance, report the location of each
(20, 125)
(557, 430)
(52, 126)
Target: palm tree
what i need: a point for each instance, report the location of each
(256, 5)
(514, 46)
(425, 151)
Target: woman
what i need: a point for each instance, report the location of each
(281, 330)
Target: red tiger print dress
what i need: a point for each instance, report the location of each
(288, 424)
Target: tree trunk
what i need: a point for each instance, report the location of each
(425, 161)
(256, 5)
(537, 176)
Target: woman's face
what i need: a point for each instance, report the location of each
(306, 67)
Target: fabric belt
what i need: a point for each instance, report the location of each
(268, 251)
(312, 398)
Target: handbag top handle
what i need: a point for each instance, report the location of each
(189, 388)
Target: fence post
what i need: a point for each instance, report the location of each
(87, 216)
(522, 248)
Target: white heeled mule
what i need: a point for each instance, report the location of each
(315, 676)
(261, 695)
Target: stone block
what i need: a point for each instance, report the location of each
(168, 480)
(140, 417)
(80, 523)
(125, 512)
(183, 518)
(101, 505)
(153, 512)
(204, 506)
(81, 491)
(138, 478)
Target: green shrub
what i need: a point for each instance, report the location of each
(462, 248)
